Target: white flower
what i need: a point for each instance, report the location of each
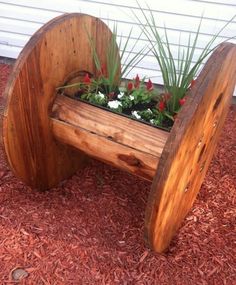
(119, 96)
(149, 110)
(136, 115)
(114, 104)
(152, 121)
(100, 95)
(131, 97)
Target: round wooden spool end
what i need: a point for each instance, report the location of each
(190, 147)
(59, 49)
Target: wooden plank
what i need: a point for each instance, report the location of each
(190, 147)
(115, 127)
(139, 163)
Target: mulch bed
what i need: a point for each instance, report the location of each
(89, 230)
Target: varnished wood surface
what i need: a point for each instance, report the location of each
(190, 147)
(139, 163)
(114, 127)
(114, 139)
(58, 49)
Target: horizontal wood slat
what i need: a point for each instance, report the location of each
(115, 139)
(100, 147)
(115, 127)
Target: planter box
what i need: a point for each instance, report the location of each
(115, 139)
(48, 136)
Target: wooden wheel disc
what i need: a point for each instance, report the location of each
(190, 147)
(58, 49)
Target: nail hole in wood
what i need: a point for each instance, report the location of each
(187, 187)
(202, 167)
(199, 143)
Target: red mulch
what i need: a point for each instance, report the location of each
(90, 229)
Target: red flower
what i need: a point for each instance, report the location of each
(149, 85)
(182, 101)
(161, 106)
(130, 86)
(87, 79)
(137, 81)
(193, 82)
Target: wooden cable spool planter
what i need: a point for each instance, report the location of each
(48, 136)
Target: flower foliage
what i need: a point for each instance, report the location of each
(136, 98)
(178, 73)
(110, 72)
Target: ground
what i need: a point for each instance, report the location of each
(89, 230)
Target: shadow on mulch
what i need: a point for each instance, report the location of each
(89, 230)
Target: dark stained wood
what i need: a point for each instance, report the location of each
(190, 147)
(58, 49)
(117, 140)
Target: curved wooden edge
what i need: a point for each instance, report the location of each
(59, 48)
(28, 48)
(189, 148)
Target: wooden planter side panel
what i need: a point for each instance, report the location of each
(132, 160)
(115, 139)
(115, 127)
(190, 147)
(57, 50)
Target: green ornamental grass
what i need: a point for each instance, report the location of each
(129, 59)
(177, 73)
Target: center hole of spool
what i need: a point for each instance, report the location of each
(72, 79)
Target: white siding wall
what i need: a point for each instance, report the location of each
(19, 19)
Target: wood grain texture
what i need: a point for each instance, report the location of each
(58, 49)
(115, 127)
(109, 137)
(190, 147)
(122, 156)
